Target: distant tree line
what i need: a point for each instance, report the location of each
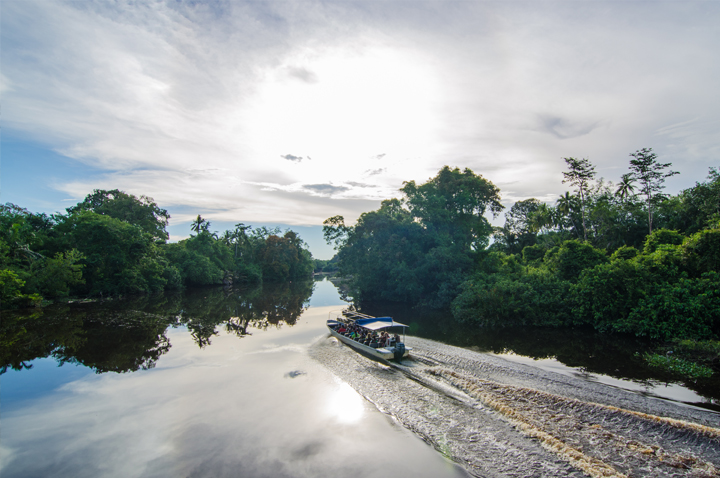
(617, 257)
(114, 243)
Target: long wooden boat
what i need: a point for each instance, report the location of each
(368, 326)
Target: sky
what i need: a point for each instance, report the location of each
(285, 113)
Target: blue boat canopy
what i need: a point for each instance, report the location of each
(376, 323)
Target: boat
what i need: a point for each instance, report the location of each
(368, 326)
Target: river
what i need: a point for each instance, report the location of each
(216, 382)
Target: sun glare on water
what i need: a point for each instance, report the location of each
(345, 404)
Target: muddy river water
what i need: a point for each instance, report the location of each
(220, 383)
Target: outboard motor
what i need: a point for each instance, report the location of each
(399, 351)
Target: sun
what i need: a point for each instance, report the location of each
(339, 108)
(345, 405)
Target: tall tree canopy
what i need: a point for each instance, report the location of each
(651, 175)
(418, 248)
(140, 211)
(454, 202)
(580, 174)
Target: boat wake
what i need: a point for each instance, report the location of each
(496, 418)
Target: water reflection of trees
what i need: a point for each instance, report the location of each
(27, 335)
(204, 310)
(129, 335)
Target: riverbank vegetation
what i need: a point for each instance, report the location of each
(621, 258)
(114, 243)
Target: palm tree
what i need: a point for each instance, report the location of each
(565, 207)
(200, 225)
(541, 218)
(239, 236)
(625, 187)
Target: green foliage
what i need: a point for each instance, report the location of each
(418, 249)
(701, 251)
(518, 231)
(114, 243)
(607, 293)
(329, 266)
(573, 257)
(119, 257)
(688, 308)
(285, 258)
(10, 292)
(54, 278)
(425, 249)
(383, 253)
(335, 231)
(200, 225)
(204, 259)
(662, 236)
(580, 174)
(453, 203)
(142, 212)
(651, 175)
(706, 352)
(678, 366)
(497, 299)
(533, 253)
(624, 253)
(200, 260)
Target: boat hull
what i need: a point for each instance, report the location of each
(382, 352)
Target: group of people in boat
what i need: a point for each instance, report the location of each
(367, 337)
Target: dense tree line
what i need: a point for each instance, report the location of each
(114, 243)
(617, 257)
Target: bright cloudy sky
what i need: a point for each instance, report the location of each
(289, 112)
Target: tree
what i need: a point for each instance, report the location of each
(335, 231)
(542, 218)
(142, 211)
(651, 176)
(454, 203)
(237, 237)
(580, 175)
(518, 231)
(625, 187)
(565, 205)
(118, 257)
(200, 225)
(419, 248)
(285, 258)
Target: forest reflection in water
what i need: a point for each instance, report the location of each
(126, 335)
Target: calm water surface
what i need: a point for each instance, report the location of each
(216, 382)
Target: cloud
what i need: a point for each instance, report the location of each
(302, 74)
(143, 93)
(375, 172)
(564, 128)
(328, 189)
